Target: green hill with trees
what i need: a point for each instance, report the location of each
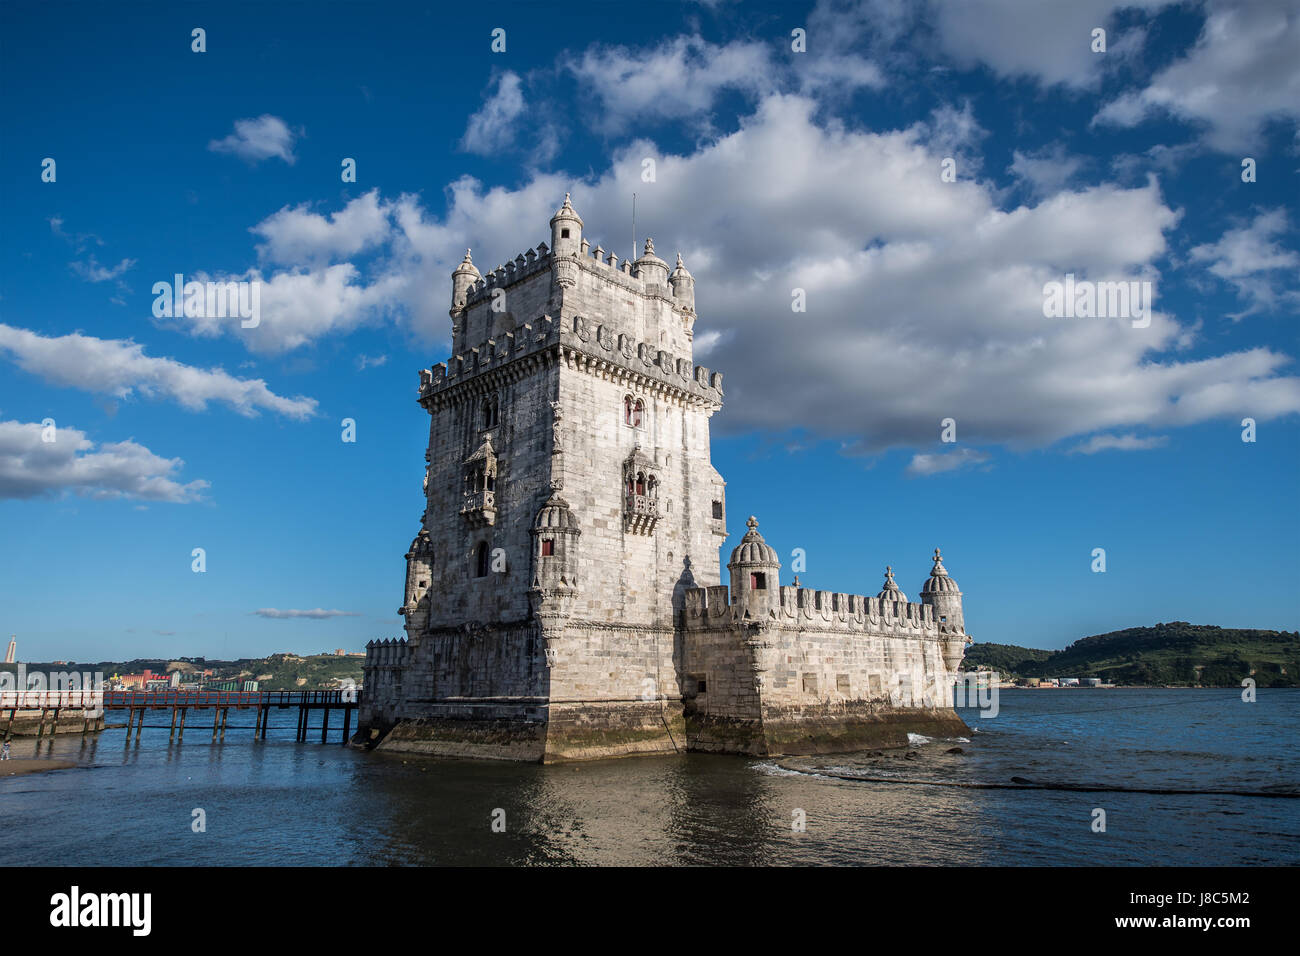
(1173, 654)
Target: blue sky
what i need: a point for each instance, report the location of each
(775, 170)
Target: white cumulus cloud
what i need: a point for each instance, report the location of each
(257, 139)
(33, 467)
(496, 125)
(1243, 71)
(120, 367)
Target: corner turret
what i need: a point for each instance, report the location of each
(419, 575)
(465, 276)
(566, 230)
(755, 575)
(683, 285)
(555, 535)
(652, 270)
(941, 593)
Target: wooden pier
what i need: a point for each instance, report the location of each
(94, 705)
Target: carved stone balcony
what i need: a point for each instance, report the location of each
(640, 514)
(480, 508)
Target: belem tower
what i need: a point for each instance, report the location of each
(564, 597)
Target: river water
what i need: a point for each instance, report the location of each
(282, 802)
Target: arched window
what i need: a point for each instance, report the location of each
(633, 410)
(652, 488)
(640, 483)
(491, 412)
(481, 560)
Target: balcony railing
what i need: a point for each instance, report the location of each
(640, 513)
(642, 505)
(480, 507)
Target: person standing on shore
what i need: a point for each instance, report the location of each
(4, 751)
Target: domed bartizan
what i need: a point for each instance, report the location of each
(755, 575)
(942, 594)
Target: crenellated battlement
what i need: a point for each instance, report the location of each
(713, 607)
(392, 652)
(526, 264)
(581, 343)
(624, 272)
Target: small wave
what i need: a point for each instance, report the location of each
(920, 740)
(772, 770)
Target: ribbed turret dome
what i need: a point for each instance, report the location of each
(555, 516)
(680, 272)
(890, 591)
(467, 267)
(753, 549)
(566, 211)
(648, 258)
(938, 582)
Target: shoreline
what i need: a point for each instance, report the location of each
(18, 766)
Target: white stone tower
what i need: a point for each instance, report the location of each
(570, 497)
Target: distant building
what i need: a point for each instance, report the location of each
(1069, 682)
(12, 653)
(1090, 681)
(137, 681)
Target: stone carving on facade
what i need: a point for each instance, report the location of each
(479, 503)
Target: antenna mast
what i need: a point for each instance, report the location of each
(633, 227)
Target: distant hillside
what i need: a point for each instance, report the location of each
(1176, 653)
(277, 672)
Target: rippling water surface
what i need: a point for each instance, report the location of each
(282, 802)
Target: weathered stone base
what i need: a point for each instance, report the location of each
(483, 739)
(592, 731)
(586, 731)
(820, 730)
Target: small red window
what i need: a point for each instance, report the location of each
(758, 581)
(548, 547)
